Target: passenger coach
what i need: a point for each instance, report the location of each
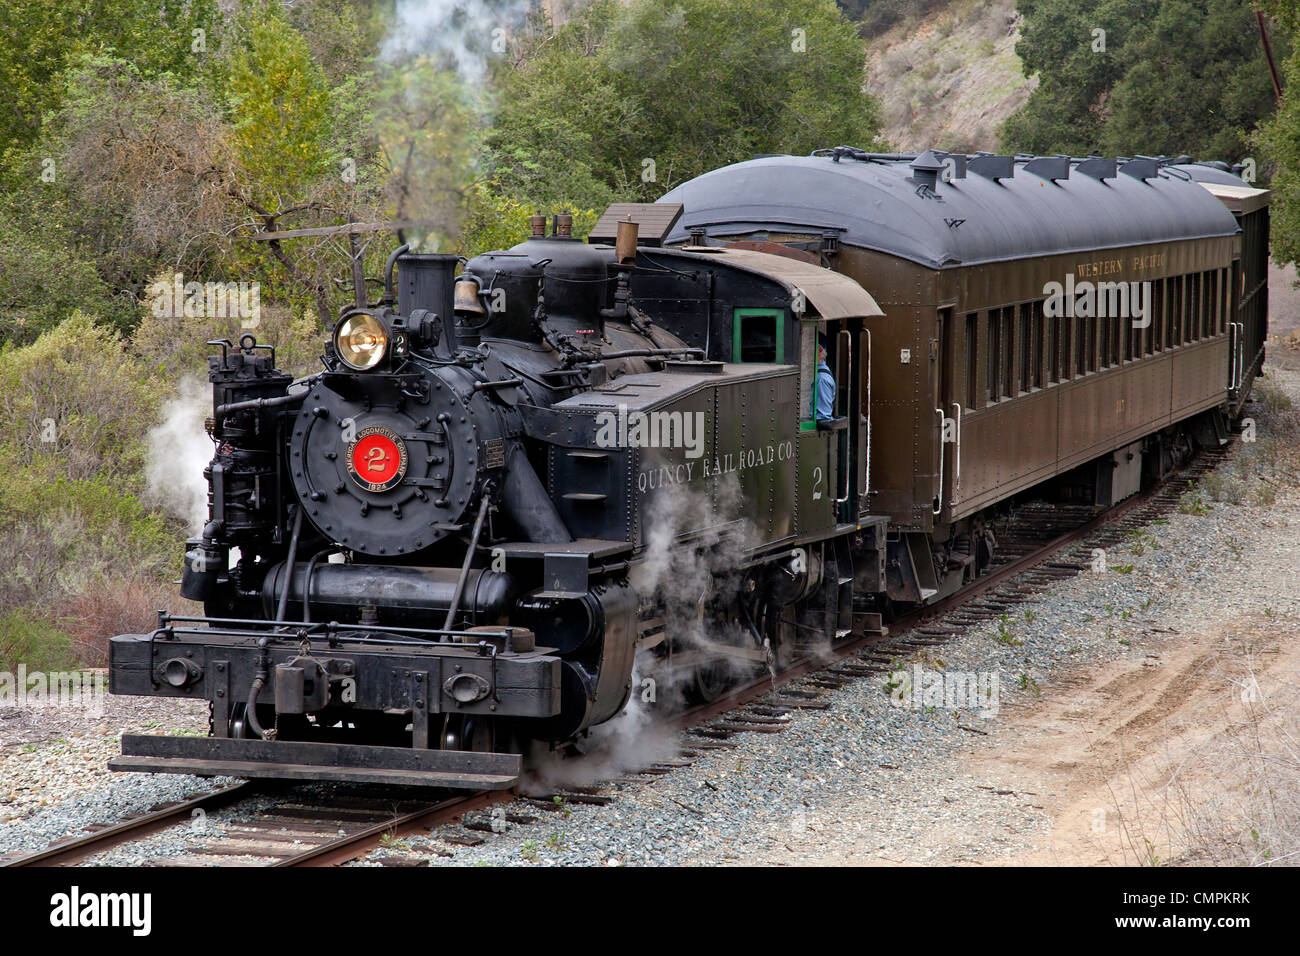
(1011, 352)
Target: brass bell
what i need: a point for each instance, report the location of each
(467, 300)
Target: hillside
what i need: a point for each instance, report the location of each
(949, 79)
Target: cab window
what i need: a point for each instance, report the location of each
(758, 335)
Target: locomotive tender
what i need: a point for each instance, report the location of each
(513, 492)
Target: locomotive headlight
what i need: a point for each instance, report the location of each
(361, 341)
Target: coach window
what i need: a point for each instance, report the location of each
(1117, 339)
(1224, 298)
(1198, 313)
(1192, 332)
(1203, 305)
(1062, 359)
(972, 358)
(1025, 332)
(1040, 345)
(1125, 338)
(758, 335)
(1156, 315)
(1133, 342)
(1158, 320)
(1052, 329)
(991, 362)
(1082, 358)
(1212, 314)
(1209, 297)
(1080, 346)
(1175, 331)
(1009, 351)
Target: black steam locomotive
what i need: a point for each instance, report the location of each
(516, 496)
(454, 540)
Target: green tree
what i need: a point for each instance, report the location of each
(43, 37)
(41, 281)
(137, 168)
(1280, 139)
(630, 99)
(1140, 76)
(281, 109)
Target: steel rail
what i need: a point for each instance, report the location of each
(77, 848)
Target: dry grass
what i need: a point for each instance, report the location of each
(1265, 461)
(1234, 800)
(109, 606)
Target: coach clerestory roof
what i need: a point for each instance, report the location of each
(907, 206)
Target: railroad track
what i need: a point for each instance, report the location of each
(292, 831)
(1039, 546)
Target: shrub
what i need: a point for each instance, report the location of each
(115, 603)
(78, 395)
(42, 281)
(175, 347)
(27, 637)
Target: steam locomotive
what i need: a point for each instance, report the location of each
(514, 492)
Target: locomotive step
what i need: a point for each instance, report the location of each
(300, 760)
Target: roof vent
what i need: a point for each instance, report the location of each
(993, 167)
(1143, 168)
(1049, 167)
(926, 169)
(1098, 168)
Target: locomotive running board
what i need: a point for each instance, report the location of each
(299, 760)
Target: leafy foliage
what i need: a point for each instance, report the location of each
(1175, 76)
(42, 280)
(281, 108)
(1280, 139)
(631, 99)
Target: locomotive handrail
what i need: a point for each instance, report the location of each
(296, 630)
(846, 472)
(843, 446)
(939, 498)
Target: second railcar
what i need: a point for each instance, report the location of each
(1046, 318)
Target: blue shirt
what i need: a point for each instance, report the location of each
(825, 392)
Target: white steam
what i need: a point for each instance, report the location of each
(459, 35)
(685, 575)
(179, 450)
(630, 741)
